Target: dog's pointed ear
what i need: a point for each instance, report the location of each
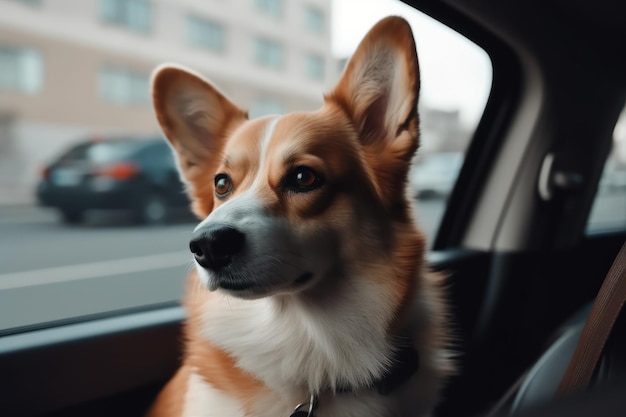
(380, 84)
(378, 90)
(196, 119)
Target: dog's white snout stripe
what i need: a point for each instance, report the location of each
(245, 205)
(263, 149)
(269, 132)
(241, 210)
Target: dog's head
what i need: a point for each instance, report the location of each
(294, 200)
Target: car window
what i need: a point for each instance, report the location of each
(158, 154)
(609, 206)
(78, 152)
(76, 243)
(101, 152)
(111, 151)
(107, 152)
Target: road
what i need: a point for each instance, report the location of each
(50, 272)
(33, 239)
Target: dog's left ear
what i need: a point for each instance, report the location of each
(379, 90)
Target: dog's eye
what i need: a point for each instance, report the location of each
(223, 185)
(302, 179)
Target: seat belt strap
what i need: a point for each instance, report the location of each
(604, 312)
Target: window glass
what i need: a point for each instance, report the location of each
(205, 34)
(59, 91)
(110, 11)
(99, 151)
(123, 87)
(273, 8)
(609, 207)
(21, 69)
(268, 53)
(104, 152)
(134, 15)
(265, 106)
(159, 154)
(138, 16)
(315, 66)
(9, 69)
(314, 19)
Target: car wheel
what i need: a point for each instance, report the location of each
(153, 209)
(72, 216)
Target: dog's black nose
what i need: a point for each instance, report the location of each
(215, 247)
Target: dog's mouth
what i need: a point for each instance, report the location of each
(303, 279)
(247, 287)
(233, 285)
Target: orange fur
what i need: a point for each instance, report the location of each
(172, 398)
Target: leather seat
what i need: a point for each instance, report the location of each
(542, 380)
(539, 385)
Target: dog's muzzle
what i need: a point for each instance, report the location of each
(214, 247)
(252, 255)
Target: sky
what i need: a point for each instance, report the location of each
(455, 73)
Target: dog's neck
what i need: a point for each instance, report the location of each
(289, 343)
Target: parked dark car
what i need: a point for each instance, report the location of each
(117, 174)
(435, 174)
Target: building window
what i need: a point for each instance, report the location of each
(315, 68)
(205, 34)
(273, 8)
(21, 69)
(314, 20)
(265, 106)
(135, 15)
(268, 53)
(123, 87)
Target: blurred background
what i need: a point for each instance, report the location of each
(78, 70)
(84, 169)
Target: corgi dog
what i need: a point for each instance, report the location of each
(310, 294)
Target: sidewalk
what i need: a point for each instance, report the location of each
(22, 213)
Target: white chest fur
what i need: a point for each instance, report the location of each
(288, 344)
(202, 400)
(296, 349)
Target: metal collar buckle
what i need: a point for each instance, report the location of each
(299, 412)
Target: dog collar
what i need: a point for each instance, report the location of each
(405, 364)
(306, 409)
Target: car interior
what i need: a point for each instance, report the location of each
(522, 266)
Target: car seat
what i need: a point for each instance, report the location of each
(540, 383)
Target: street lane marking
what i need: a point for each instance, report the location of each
(94, 269)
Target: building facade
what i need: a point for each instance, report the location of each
(75, 69)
